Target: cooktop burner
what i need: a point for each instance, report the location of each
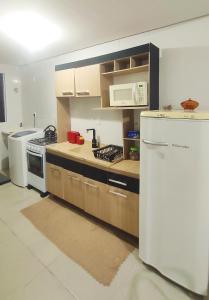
(42, 141)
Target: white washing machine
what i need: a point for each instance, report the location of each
(17, 154)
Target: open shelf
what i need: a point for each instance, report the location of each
(107, 67)
(121, 108)
(127, 71)
(122, 64)
(131, 139)
(133, 64)
(139, 60)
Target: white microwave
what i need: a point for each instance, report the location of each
(129, 94)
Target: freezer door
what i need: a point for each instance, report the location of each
(174, 199)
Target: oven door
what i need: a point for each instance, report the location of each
(35, 163)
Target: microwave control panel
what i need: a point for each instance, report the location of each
(141, 93)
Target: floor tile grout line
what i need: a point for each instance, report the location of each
(44, 266)
(69, 291)
(37, 258)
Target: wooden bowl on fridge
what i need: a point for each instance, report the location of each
(189, 104)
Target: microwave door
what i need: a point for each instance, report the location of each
(122, 95)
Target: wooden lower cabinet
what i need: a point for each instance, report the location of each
(93, 195)
(110, 204)
(54, 178)
(73, 188)
(121, 209)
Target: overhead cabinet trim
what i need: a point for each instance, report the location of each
(107, 57)
(106, 177)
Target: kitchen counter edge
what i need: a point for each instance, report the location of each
(122, 167)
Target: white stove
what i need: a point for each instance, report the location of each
(36, 159)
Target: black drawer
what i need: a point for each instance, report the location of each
(123, 182)
(65, 163)
(117, 180)
(95, 174)
(74, 166)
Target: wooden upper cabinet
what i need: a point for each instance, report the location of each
(87, 81)
(65, 85)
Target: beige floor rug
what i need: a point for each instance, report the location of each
(99, 251)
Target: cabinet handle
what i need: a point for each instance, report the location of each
(70, 93)
(74, 178)
(91, 185)
(55, 171)
(118, 182)
(118, 194)
(155, 143)
(83, 93)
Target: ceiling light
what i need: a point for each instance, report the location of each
(30, 30)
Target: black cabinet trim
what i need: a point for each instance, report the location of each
(2, 99)
(154, 77)
(102, 58)
(131, 184)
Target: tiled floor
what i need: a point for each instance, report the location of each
(32, 268)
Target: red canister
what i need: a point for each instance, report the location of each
(80, 140)
(72, 136)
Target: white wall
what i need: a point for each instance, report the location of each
(107, 124)
(38, 94)
(13, 108)
(184, 72)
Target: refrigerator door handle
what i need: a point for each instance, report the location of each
(155, 143)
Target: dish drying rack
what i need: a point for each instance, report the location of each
(111, 153)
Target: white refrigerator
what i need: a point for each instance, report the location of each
(174, 196)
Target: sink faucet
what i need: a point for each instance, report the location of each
(94, 141)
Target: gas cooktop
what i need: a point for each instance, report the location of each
(42, 141)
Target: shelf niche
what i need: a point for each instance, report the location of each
(128, 124)
(117, 72)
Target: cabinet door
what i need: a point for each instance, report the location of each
(54, 180)
(92, 197)
(73, 188)
(121, 209)
(87, 81)
(65, 83)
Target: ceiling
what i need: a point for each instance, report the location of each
(89, 22)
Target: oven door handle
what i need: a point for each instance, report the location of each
(34, 153)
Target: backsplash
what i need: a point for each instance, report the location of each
(108, 124)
